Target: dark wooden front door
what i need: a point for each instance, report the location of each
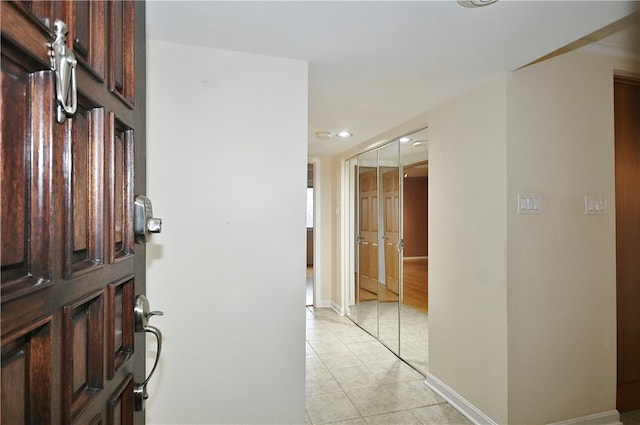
(70, 267)
(627, 157)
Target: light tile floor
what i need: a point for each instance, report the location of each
(352, 379)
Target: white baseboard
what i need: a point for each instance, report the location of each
(476, 416)
(612, 417)
(337, 308)
(324, 304)
(458, 402)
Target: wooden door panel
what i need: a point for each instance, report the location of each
(120, 325)
(83, 348)
(25, 35)
(70, 270)
(87, 35)
(373, 262)
(368, 228)
(88, 32)
(391, 193)
(26, 375)
(627, 158)
(120, 167)
(42, 10)
(83, 171)
(373, 218)
(121, 51)
(26, 190)
(364, 215)
(15, 167)
(15, 174)
(363, 259)
(120, 406)
(368, 246)
(391, 267)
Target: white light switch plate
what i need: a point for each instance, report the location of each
(530, 203)
(595, 205)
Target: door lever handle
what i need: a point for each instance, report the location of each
(141, 315)
(154, 313)
(140, 394)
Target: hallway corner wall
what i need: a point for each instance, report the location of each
(467, 247)
(562, 263)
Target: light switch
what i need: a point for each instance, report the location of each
(529, 203)
(595, 205)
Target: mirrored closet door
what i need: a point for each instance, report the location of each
(389, 253)
(387, 293)
(367, 241)
(414, 330)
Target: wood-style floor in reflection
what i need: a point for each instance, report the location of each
(415, 279)
(415, 284)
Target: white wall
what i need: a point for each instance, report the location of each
(562, 264)
(227, 169)
(467, 247)
(323, 261)
(547, 128)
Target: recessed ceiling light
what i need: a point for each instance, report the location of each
(405, 139)
(324, 134)
(344, 134)
(419, 142)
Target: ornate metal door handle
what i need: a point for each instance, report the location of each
(141, 315)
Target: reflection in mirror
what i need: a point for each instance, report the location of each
(367, 238)
(388, 287)
(352, 286)
(389, 253)
(414, 331)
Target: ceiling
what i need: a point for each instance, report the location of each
(374, 65)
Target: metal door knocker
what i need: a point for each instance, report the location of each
(64, 63)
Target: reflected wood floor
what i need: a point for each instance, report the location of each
(370, 290)
(415, 285)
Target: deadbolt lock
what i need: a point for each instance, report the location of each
(144, 224)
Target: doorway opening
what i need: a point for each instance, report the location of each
(309, 284)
